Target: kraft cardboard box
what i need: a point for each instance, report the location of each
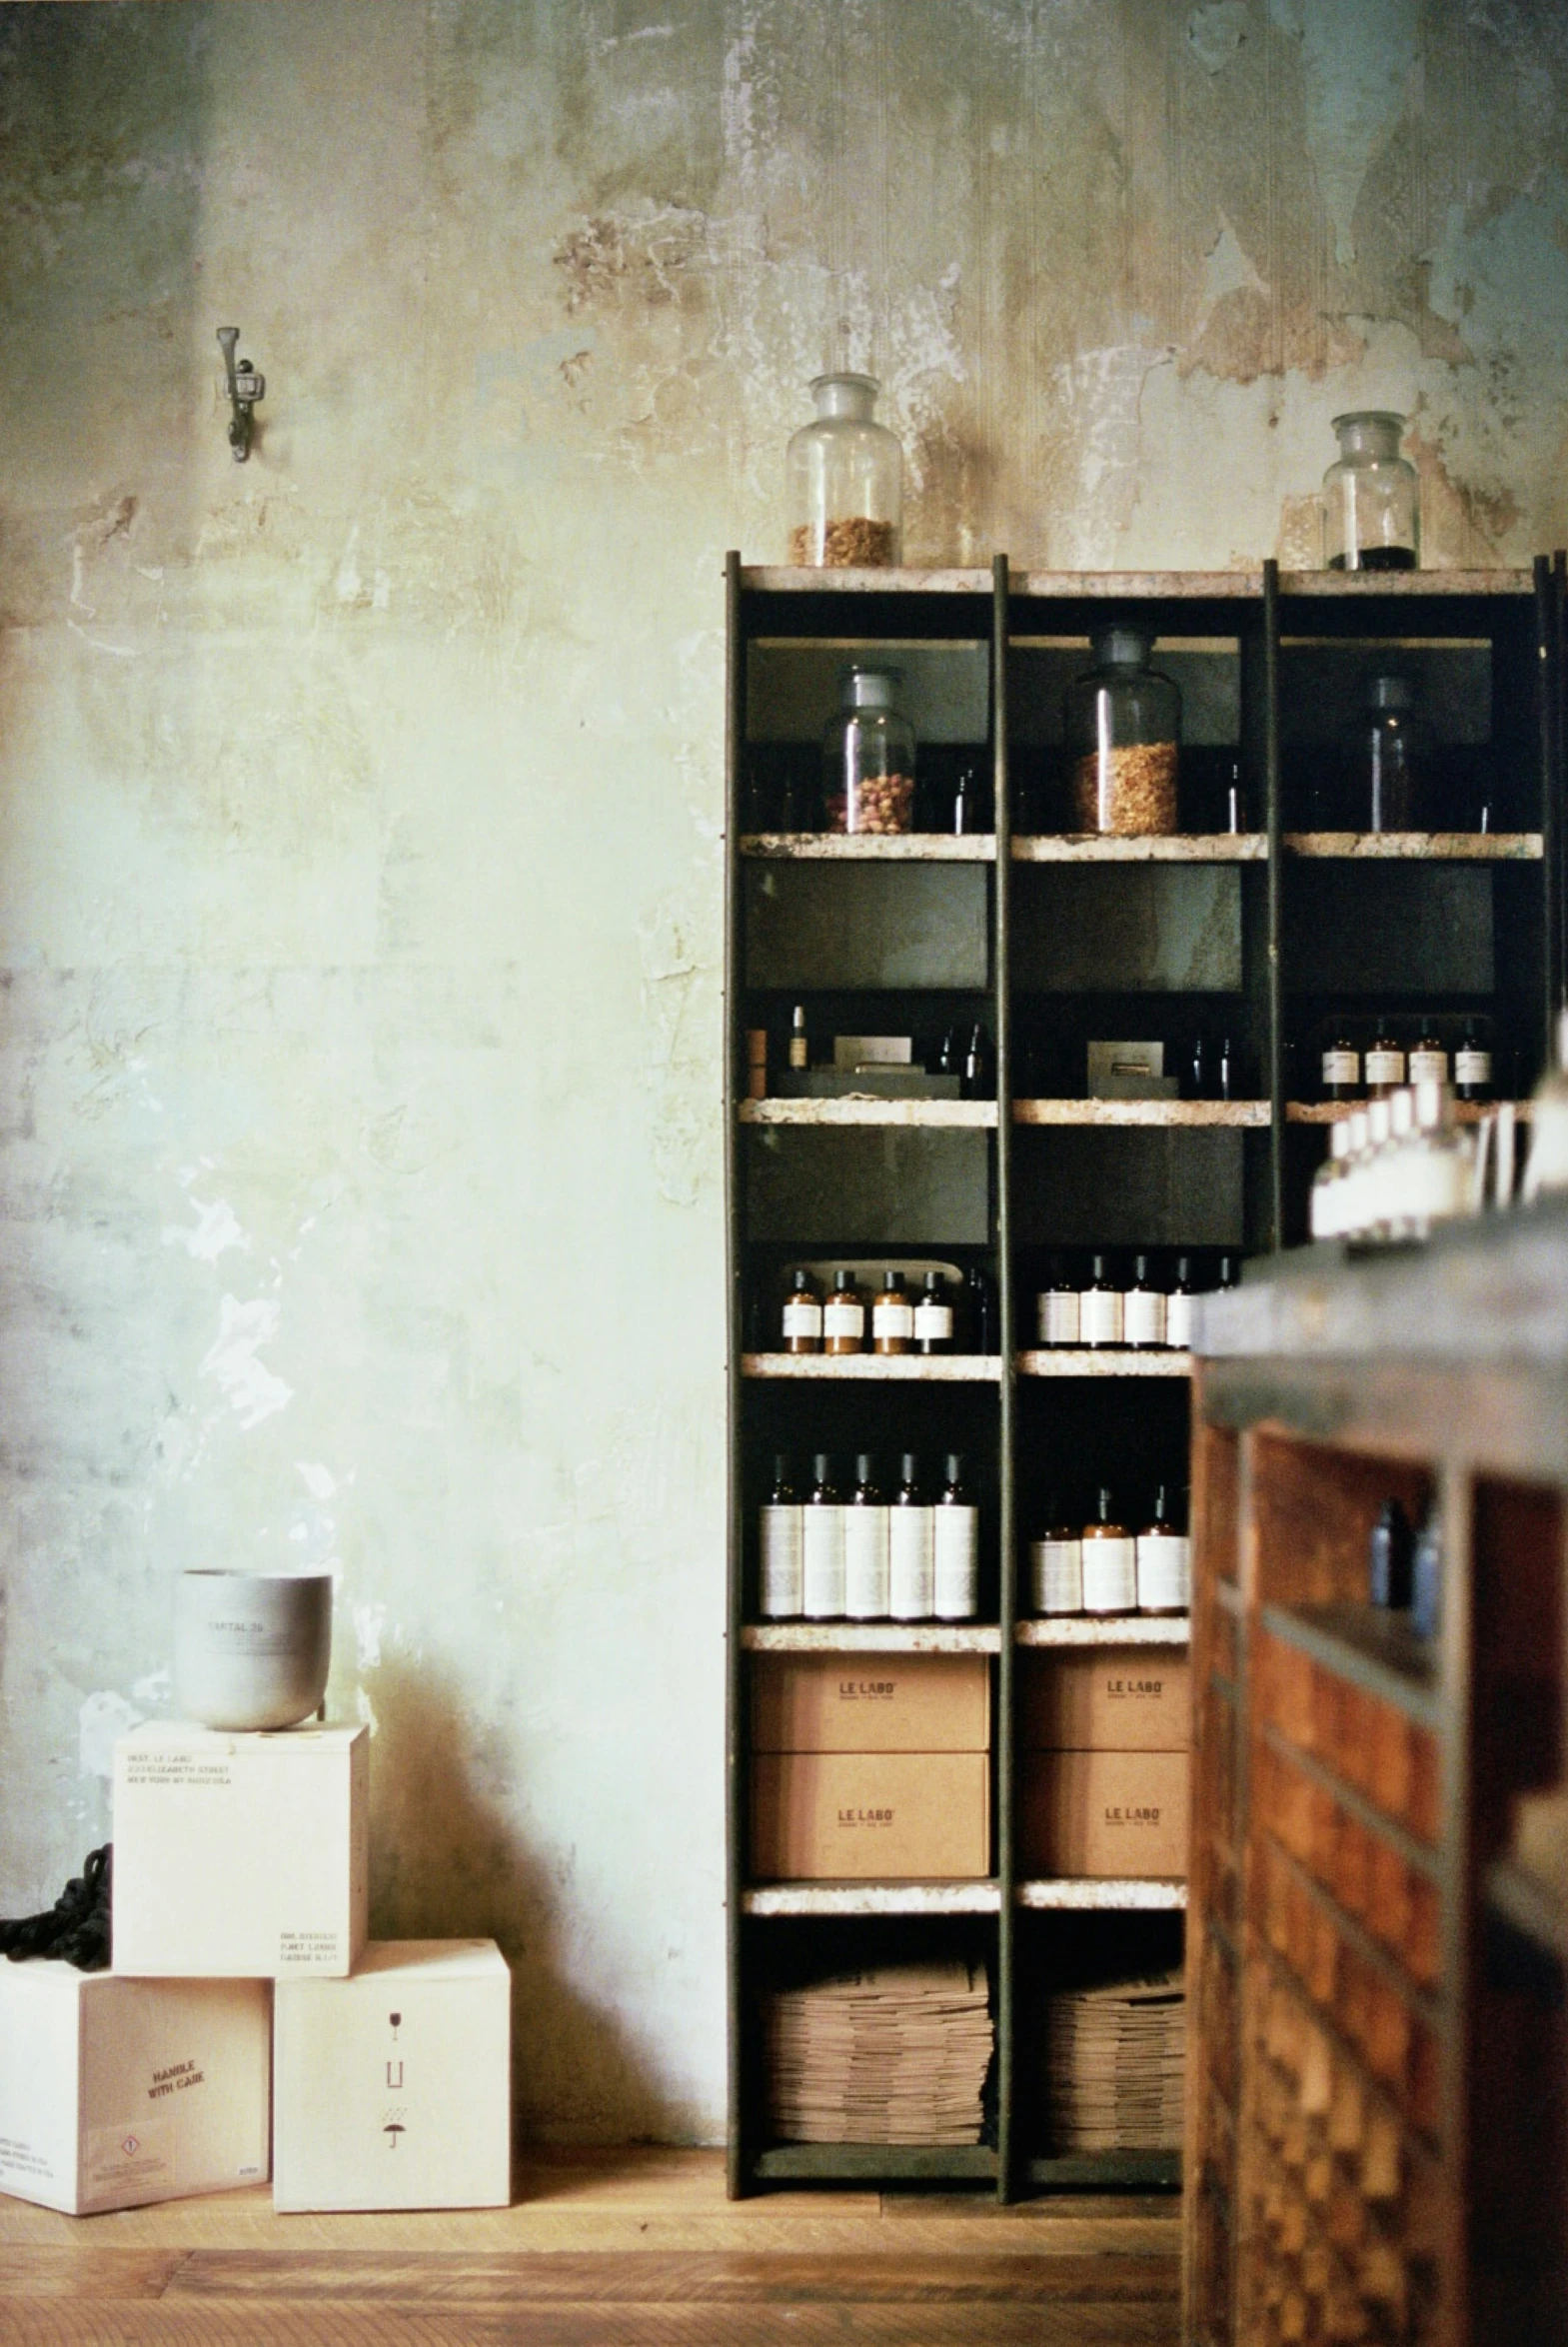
(870, 1816)
(393, 2089)
(872, 1704)
(116, 2093)
(1107, 1700)
(1107, 1814)
(240, 1856)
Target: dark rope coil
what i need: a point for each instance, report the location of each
(78, 1927)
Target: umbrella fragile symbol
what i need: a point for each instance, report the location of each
(392, 2128)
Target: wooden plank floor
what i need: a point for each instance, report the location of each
(603, 2250)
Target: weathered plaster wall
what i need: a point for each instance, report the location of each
(359, 809)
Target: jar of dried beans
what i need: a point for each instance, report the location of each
(1123, 721)
(846, 481)
(868, 758)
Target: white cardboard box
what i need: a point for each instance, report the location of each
(393, 2089)
(240, 1856)
(114, 2092)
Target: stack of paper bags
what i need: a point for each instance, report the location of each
(1113, 2058)
(898, 2054)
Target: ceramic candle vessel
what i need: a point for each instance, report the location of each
(251, 1651)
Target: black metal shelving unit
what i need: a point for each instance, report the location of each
(1023, 925)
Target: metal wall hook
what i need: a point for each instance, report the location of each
(246, 386)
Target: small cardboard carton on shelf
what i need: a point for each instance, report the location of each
(871, 1704)
(240, 1856)
(870, 1816)
(1107, 1700)
(871, 1767)
(393, 2089)
(116, 2093)
(1107, 1814)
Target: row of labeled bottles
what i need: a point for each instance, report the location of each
(1362, 1060)
(895, 1319)
(1153, 1312)
(1108, 1566)
(858, 1552)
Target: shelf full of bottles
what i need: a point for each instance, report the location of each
(960, 1276)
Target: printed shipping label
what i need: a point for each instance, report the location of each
(138, 2151)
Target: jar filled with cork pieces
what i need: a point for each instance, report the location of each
(846, 481)
(868, 758)
(1122, 723)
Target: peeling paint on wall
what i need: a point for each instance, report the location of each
(361, 916)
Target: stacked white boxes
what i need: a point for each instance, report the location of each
(249, 2026)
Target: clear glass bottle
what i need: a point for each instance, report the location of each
(956, 1548)
(865, 1582)
(780, 1569)
(868, 758)
(845, 473)
(1393, 760)
(1123, 724)
(802, 1315)
(1325, 1208)
(1371, 496)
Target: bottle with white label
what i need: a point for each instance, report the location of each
(933, 1317)
(802, 1315)
(1428, 1062)
(1342, 1069)
(866, 1587)
(781, 1580)
(1473, 1064)
(822, 1525)
(1056, 1308)
(956, 1548)
(1111, 1562)
(1164, 1562)
(843, 1317)
(1056, 1565)
(1385, 1065)
(799, 1045)
(1178, 1307)
(892, 1316)
(1100, 1308)
(1144, 1309)
(911, 1558)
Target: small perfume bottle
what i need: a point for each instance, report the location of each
(1111, 1562)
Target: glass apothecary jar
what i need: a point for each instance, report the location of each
(868, 758)
(1393, 760)
(846, 481)
(1123, 721)
(1371, 496)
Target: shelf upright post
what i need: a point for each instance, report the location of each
(1547, 720)
(1002, 979)
(1560, 661)
(734, 1692)
(1276, 874)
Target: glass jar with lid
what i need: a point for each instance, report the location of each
(1371, 496)
(1123, 721)
(846, 481)
(1395, 760)
(869, 757)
